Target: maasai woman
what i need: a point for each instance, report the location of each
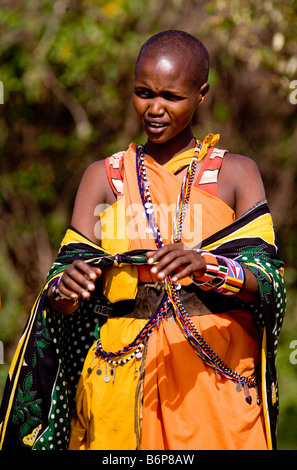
(171, 258)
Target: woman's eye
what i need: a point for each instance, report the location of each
(148, 94)
(142, 93)
(171, 97)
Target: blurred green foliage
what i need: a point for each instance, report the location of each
(67, 70)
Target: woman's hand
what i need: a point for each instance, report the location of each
(179, 261)
(77, 281)
(176, 260)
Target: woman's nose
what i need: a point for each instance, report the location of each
(156, 107)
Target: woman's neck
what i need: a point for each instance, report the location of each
(164, 152)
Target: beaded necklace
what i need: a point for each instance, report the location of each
(188, 328)
(171, 298)
(133, 350)
(183, 198)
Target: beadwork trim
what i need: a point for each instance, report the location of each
(58, 297)
(214, 275)
(223, 275)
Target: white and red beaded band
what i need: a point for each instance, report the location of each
(223, 275)
(58, 297)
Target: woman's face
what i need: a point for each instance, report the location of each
(165, 97)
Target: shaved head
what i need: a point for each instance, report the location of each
(173, 43)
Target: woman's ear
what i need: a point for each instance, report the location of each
(203, 92)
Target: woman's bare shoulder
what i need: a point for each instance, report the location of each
(240, 181)
(94, 191)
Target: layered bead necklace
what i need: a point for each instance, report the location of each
(171, 297)
(182, 201)
(134, 349)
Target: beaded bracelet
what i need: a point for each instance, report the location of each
(223, 275)
(58, 297)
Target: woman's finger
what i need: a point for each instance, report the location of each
(175, 259)
(78, 280)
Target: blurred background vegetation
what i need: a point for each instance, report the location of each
(67, 70)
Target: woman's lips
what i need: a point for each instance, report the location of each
(156, 127)
(156, 124)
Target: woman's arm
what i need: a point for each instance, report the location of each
(78, 279)
(94, 191)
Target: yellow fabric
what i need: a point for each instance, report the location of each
(184, 158)
(71, 236)
(265, 409)
(103, 418)
(119, 283)
(113, 227)
(262, 227)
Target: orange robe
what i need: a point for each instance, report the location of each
(184, 405)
